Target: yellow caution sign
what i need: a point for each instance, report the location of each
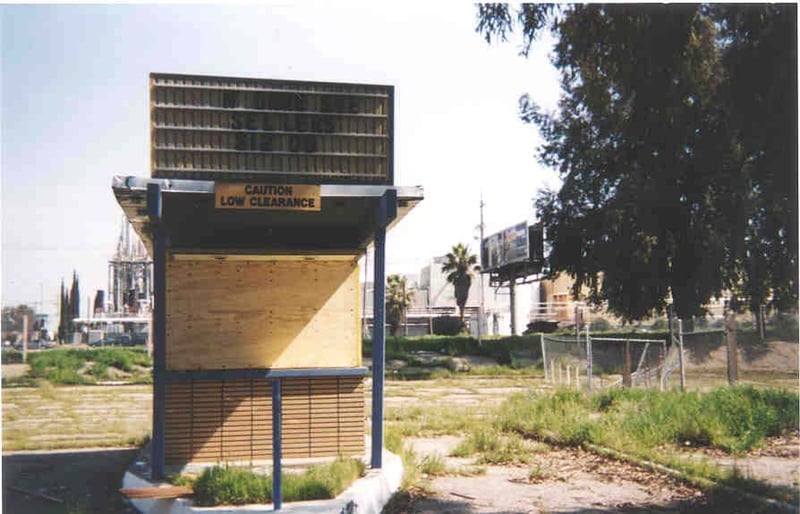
(256, 196)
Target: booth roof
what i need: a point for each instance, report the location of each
(345, 223)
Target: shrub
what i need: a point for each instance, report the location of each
(63, 366)
(599, 325)
(11, 356)
(447, 326)
(229, 485)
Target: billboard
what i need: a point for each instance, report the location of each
(506, 247)
(270, 130)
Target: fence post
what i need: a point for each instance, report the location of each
(588, 360)
(544, 355)
(680, 354)
(730, 339)
(662, 364)
(626, 375)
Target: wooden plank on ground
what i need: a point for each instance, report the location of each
(173, 491)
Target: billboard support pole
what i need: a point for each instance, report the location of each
(513, 305)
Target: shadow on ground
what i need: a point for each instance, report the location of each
(66, 482)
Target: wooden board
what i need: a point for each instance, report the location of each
(174, 491)
(226, 314)
(216, 421)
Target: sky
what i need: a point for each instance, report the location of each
(75, 113)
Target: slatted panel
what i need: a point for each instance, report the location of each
(223, 421)
(243, 128)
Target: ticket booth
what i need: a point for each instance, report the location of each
(262, 198)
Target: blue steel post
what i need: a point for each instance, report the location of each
(154, 211)
(387, 211)
(277, 495)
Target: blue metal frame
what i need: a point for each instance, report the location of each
(387, 211)
(251, 373)
(160, 245)
(277, 450)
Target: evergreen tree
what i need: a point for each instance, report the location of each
(74, 300)
(63, 314)
(676, 142)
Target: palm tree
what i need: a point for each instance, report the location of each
(459, 267)
(398, 300)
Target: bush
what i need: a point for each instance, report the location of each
(447, 326)
(63, 366)
(11, 357)
(231, 485)
(599, 325)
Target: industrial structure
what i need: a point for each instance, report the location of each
(130, 276)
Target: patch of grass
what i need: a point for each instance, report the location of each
(50, 417)
(230, 485)
(20, 381)
(537, 474)
(469, 471)
(393, 441)
(433, 465)
(495, 448)
(732, 419)
(432, 420)
(9, 356)
(75, 366)
(497, 370)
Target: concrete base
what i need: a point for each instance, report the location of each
(367, 495)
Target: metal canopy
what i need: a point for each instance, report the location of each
(345, 224)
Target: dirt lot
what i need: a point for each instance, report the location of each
(573, 480)
(561, 480)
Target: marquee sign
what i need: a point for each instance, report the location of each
(270, 130)
(257, 196)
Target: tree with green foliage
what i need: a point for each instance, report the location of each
(74, 299)
(13, 320)
(459, 266)
(63, 314)
(398, 300)
(676, 142)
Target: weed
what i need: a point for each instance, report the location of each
(432, 465)
(8, 356)
(432, 420)
(229, 485)
(537, 474)
(494, 448)
(469, 471)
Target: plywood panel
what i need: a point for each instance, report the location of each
(265, 314)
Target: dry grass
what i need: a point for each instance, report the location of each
(50, 417)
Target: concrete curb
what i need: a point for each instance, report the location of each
(367, 495)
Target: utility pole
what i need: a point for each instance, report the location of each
(405, 309)
(480, 253)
